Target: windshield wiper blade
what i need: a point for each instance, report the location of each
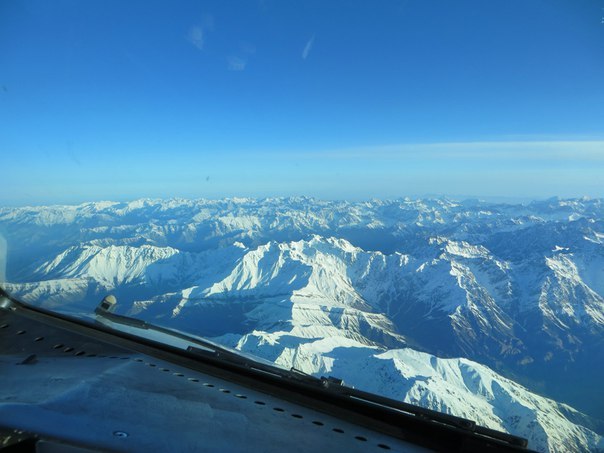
(206, 349)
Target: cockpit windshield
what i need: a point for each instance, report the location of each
(404, 195)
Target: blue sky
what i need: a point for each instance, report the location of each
(343, 99)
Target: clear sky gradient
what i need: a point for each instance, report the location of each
(332, 99)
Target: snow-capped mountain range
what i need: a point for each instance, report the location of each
(356, 290)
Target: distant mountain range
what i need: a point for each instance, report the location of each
(356, 290)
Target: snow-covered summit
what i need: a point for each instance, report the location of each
(454, 386)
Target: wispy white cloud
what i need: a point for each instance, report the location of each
(239, 59)
(236, 63)
(308, 47)
(195, 37)
(197, 33)
(526, 169)
(486, 151)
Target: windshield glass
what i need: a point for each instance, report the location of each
(406, 195)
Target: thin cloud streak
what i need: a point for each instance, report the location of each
(195, 37)
(308, 47)
(589, 151)
(196, 34)
(236, 63)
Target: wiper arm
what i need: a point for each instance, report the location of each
(204, 348)
(253, 365)
(104, 312)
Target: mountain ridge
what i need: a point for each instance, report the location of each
(516, 288)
